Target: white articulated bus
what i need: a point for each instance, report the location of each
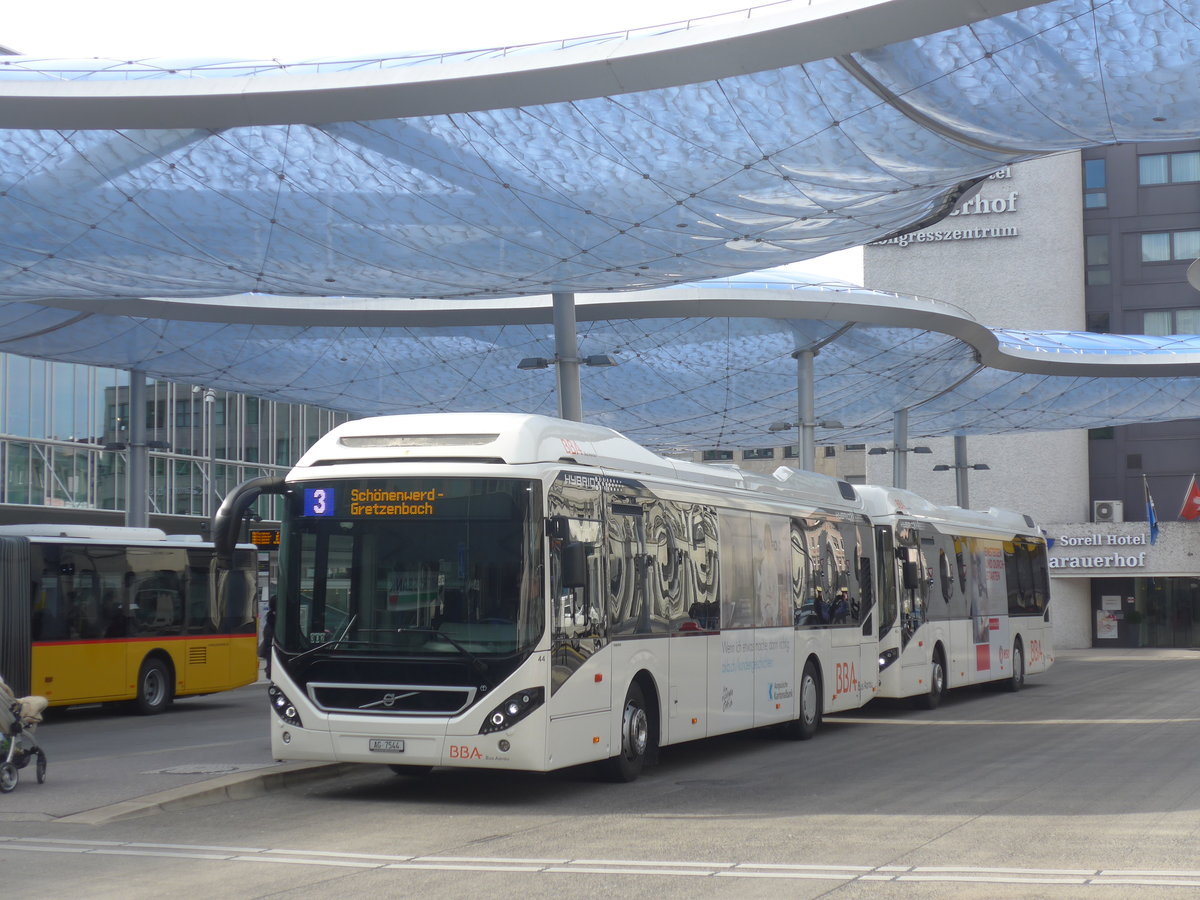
(967, 596)
(512, 591)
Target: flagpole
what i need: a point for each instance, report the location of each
(1151, 518)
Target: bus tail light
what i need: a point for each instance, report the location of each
(283, 707)
(512, 710)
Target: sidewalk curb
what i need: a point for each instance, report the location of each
(238, 786)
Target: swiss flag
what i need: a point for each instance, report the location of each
(1191, 502)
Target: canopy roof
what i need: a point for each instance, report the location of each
(698, 366)
(620, 163)
(615, 163)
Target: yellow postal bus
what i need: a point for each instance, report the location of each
(97, 614)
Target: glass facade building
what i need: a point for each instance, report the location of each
(64, 437)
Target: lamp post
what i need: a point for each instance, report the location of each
(960, 468)
(570, 401)
(137, 499)
(900, 448)
(566, 359)
(210, 406)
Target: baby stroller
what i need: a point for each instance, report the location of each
(19, 718)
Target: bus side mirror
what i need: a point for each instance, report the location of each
(574, 564)
(911, 575)
(226, 521)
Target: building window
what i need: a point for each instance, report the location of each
(1096, 253)
(791, 452)
(830, 451)
(856, 446)
(1170, 246)
(1098, 323)
(1171, 321)
(1095, 194)
(1169, 168)
(760, 453)
(715, 455)
(1100, 434)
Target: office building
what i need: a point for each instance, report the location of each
(1096, 241)
(64, 438)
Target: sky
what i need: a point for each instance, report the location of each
(304, 29)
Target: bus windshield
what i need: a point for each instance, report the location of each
(422, 566)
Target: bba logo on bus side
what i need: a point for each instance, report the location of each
(318, 501)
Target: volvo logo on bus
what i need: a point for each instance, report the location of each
(388, 700)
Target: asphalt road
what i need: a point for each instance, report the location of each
(1085, 784)
(99, 756)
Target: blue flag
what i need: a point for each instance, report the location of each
(1150, 516)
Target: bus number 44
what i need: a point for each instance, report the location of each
(844, 679)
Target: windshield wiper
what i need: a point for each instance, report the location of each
(333, 643)
(479, 665)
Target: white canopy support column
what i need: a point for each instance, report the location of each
(961, 492)
(566, 352)
(900, 448)
(137, 496)
(806, 403)
(806, 408)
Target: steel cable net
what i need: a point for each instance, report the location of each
(615, 193)
(621, 192)
(680, 383)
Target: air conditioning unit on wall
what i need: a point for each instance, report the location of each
(1108, 511)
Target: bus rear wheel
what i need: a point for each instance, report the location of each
(1016, 680)
(154, 688)
(635, 738)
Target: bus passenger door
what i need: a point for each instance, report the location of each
(914, 576)
(580, 674)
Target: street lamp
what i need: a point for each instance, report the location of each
(596, 361)
(899, 461)
(570, 401)
(960, 467)
(801, 462)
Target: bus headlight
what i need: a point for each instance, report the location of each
(887, 657)
(512, 710)
(283, 706)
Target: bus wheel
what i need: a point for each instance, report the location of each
(937, 684)
(635, 738)
(808, 716)
(1016, 680)
(154, 688)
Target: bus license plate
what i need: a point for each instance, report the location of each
(386, 746)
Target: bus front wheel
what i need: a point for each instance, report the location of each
(937, 684)
(635, 738)
(154, 688)
(808, 713)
